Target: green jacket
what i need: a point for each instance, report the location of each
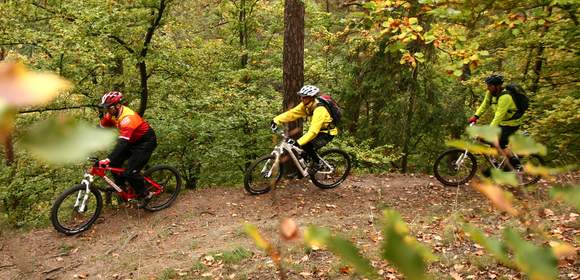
(504, 107)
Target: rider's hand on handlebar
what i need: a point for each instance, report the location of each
(273, 125)
(293, 142)
(473, 119)
(104, 162)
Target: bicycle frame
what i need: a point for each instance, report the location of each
(98, 171)
(292, 151)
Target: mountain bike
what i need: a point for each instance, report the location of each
(77, 208)
(265, 172)
(456, 167)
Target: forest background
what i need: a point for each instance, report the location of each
(208, 76)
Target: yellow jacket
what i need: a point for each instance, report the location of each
(321, 120)
(504, 107)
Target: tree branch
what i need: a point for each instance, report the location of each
(41, 110)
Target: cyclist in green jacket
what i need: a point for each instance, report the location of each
(504, 106)
(321, 130)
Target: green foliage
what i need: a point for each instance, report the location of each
(234, 256)
(536, 262)
(401, 250)
(487, 133)
(343, 248)
(569, 194)
(365, 155)
(523, 145)
(504, 178)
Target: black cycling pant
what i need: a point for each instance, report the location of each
(318, 142)
(137, 155)
(506, 132)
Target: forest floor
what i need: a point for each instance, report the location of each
(202, 237)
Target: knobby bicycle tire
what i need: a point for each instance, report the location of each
(318, 177)
(165, 198)
(445, 160)
(251, 180)
(58, 224)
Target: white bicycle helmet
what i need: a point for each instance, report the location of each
(308, 91)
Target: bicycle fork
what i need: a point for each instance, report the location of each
(460, 159)
(81, 202)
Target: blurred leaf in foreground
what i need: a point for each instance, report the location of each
(500, 198)
(524, 145)
(491, 245)
(347, 251)
(471, 147)
(569, 194)
(7, 114)
(66, 140)
(539, 263)
(402, 250)
(504, 178)
(20, 87)
(487, 133)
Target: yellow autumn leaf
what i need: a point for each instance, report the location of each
(253, 232)
(562, 250)
(20, 87)
(498, 197)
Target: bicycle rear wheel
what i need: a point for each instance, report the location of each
(68, 214)
(262, 175)
(169, 181)
(335, 167)
(454, 167)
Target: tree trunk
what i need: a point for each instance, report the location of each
(411, 86)
(540, 57)
(243, 33)
(141, 65)
(293, 71)
(118, 71)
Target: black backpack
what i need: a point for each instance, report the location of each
(332, 107)
(520, 98)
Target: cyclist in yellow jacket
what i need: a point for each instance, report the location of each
(322, 129)
(504, 106)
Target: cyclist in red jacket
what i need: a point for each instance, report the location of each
(135, 145)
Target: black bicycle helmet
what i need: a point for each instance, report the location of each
(494, 79)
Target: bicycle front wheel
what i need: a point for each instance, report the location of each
(166, 186)
(335, 167)
(455, 167)
(75, 210)
(262, 175)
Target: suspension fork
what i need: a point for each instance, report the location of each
(265, 170)
(81, 202)
(461, 158)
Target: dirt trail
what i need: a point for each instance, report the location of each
(171, 244)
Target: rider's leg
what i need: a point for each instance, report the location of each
(140, 155)
(320, 141)
(506, 132)
(118, 162)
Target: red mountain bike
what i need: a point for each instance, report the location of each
(78, 207)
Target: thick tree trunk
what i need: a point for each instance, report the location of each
(293, 71)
